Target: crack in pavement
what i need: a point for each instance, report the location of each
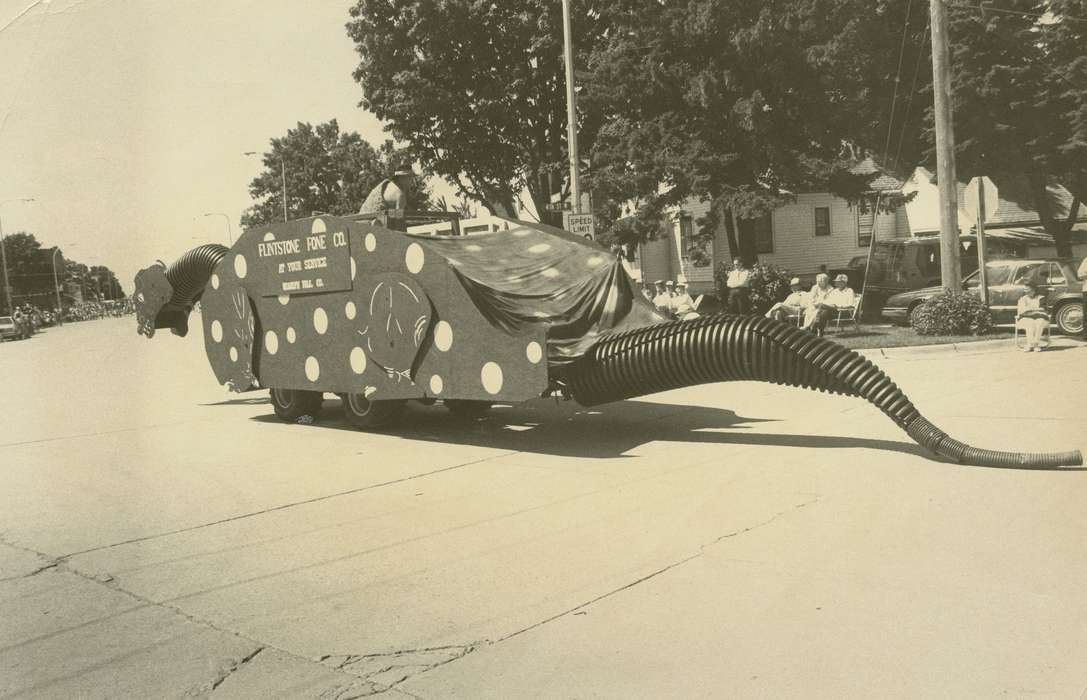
(285, 506)
(234, 666)
(385, 671)
(658, 572)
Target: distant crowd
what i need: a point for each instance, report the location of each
(28, 318)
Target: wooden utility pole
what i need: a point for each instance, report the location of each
(571, 106)
(950, 272)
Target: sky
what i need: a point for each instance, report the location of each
(127, 120)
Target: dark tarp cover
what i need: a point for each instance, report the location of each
(533, 273)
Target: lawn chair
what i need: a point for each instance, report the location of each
(848, 315)
(1019, 332)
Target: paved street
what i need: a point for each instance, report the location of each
(160, 537)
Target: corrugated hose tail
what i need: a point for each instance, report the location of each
(189, 274)
(738, 348)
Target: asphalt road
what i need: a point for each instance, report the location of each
(160, 537)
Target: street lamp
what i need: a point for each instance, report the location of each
(283, 178)
(229, 228)
(4, 255)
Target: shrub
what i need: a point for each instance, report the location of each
(769, 285)
(952, 313)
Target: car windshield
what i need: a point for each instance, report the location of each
(6, 319)
(996, 272)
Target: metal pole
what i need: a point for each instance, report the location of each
(983, 276)
(571, 106)
(283, 175)
(7, 282)
(950, 273)
(56, 286)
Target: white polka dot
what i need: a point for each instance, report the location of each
(550, 272)
(320, 320)
(594, 261)
(216, 331)
(233, 354)
(271, 342)
(313, 368)
(413, 258)
(491, 377)
(284, 299)
(358, 360)
(353, 268)
(443, 336)
(318, 226)
(521, 233)
(371, 242)
(215, 281)
(436, 384)
(534, 352)
(269, 236)
(540, 248)
(473, 247)
(349, 310)
(290, 334)
(240, 268)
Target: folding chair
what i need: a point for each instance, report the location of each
(1046, 340)
(849, 314)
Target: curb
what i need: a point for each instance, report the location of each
(971, 348)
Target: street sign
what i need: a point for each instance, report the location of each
(579, 224)
(557, 206)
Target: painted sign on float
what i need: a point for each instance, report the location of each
(310, 262)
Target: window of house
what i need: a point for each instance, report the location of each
(692, 249)
(764, 234)
(822, 221)
(866, 221)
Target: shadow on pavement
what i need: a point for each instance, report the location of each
(568, 430)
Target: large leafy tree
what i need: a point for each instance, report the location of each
(476, 88)
(1019, 73)
(326, 171)
(745, 104)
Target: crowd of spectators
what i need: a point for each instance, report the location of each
(28, 318)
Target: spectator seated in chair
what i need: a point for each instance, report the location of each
(794, 305)
(682, 305)
(839, 298)
(1032, 318)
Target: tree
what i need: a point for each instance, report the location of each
(30, 270)
(1020, 102)
(326, 171)
(744, 104)
(477, 89)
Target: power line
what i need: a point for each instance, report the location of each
(913, 90)
(898, 77)
(982, 7)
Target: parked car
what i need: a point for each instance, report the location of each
(7, 328)
(1056, 279)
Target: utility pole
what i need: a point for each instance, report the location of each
(56, 287)
(950, 272)
(283, 176)
(571, 107)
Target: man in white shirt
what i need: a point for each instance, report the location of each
(663, 300)
(794, 304)
(682, 304)
(841, 297)
(1082, 272)
(739, 288)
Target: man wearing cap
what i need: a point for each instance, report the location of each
(794, 304)
(682, 304)
(841, 297)
(663, 300)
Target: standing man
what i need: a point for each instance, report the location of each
(1083, 276)
(739, 288)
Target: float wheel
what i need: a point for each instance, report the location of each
(364, 414)
(292, 404)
